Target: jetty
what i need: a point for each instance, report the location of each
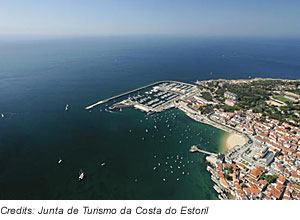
(194, 148)
(132, 91)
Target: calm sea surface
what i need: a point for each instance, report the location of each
(39, 77)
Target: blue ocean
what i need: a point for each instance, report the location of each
(38, 77)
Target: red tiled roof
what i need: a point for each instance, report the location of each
(281, 179)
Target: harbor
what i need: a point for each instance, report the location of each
(162, 101)
(165, 95)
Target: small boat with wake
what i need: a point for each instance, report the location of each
(81, 175)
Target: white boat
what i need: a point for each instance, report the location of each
(81, 175)
(2, 115)
(102, 164)
(67, 106)
(59, 161)
(154, 168)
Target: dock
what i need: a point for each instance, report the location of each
(194, 148)
(131, 91)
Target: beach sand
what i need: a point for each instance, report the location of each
(232, 140)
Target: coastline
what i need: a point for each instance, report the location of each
(222, 143)
(228, 141)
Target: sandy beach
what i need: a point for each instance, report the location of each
(232, 140)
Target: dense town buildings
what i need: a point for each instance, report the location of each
(269, 166)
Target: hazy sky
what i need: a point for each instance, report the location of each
(115, 17)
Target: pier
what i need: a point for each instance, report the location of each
(131, 91)
(194, 148)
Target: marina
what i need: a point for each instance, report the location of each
(162, 95)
